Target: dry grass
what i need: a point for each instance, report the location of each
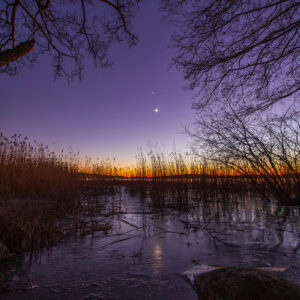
(46, 195)
(42, 195)
(32, 171)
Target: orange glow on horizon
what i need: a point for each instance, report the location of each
(149, 171)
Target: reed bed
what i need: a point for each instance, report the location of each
(42, 195)
(46, 195)
(31, 171)
(271, 176)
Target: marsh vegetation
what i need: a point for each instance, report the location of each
(236, 206)
(46, 195)
(232, 200)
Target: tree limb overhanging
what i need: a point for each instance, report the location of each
(233, 50)
(9, 55)
(65, 30)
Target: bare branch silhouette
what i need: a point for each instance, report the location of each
(65, 30)
(264, 149)
(241, 52)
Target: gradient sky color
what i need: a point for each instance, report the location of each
(111, 112)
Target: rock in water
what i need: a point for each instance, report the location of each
(4, 252)
(234, 283)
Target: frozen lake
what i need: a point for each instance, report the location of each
(148, 248)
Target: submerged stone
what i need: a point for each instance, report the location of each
(4, 252)
(234, 283)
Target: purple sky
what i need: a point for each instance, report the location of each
(111, 112)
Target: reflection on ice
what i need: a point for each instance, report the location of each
(157, 259)
(150, 247)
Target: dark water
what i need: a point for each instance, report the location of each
(148, 248)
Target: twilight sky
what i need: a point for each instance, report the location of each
(111, 112)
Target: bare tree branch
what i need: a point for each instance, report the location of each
(233, 50)
(10, 55)
(65, 30)
(264, 149)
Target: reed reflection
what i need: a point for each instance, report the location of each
(239, 219)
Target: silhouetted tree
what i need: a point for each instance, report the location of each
(267, 146)
(245, 52)
(64, 29)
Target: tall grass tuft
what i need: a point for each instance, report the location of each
(41, 194)
(31, 171)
